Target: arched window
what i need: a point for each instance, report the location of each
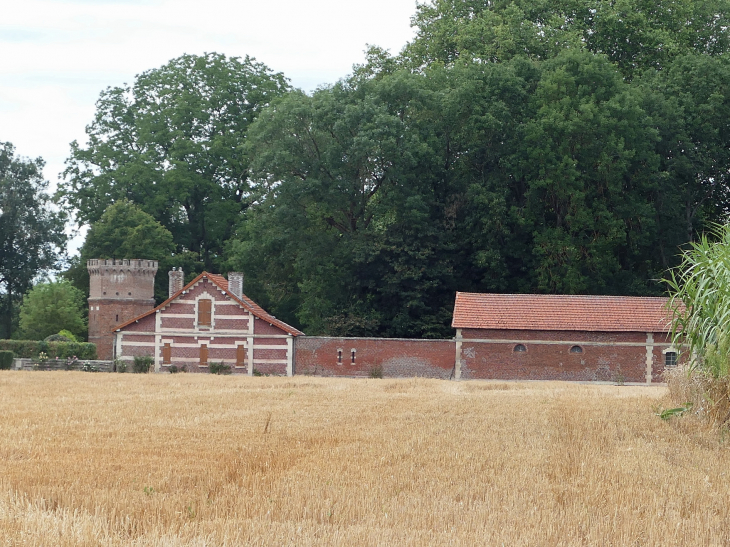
(576, 349)
(519, 348)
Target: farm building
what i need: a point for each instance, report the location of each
(498, 336)
(209, 320)
(560, 337)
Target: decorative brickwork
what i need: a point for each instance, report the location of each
(204, 323)
(118, 291)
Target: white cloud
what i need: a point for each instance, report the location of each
(57, 55)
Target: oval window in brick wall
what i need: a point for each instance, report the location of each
(576, 349)
(519, 348)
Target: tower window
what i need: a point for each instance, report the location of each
(352, 357)
(117, 318)
(339, 356)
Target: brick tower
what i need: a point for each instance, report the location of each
(118, 291)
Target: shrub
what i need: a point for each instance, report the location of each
(57, 338)
(72, 363)
(88, 367)
(376, 371)
(68, 334)
(6, 360)
(30, 349)
(143, 363)
(120, 366)
(219, 368)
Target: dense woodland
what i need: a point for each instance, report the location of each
(562, 146)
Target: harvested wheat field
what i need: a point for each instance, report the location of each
(121, 459)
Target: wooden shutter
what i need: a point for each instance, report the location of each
(204, 312)
(203, 354)
(166, 354)
(240, 356)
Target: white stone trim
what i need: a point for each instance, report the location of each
(204, 296)
(457, 362)
(158, 345)
(649, 356)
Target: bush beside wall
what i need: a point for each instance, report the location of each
(29, 349)
(6, 360)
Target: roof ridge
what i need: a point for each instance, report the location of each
(218, 280)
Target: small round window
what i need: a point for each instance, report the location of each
(519, 348)
(576, 349)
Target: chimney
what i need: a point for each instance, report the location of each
(235, 283)
(177, 281)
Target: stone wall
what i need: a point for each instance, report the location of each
(62, 364)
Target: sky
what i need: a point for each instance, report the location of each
(56, 56)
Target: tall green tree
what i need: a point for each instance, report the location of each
(343, 229)
(32, 238)
(51, 307)
(172, 143)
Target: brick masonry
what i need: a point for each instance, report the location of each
(240, 334)
(604, 356)
(266, 347)
(118, 291)
(397, 357)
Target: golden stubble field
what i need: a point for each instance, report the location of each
(121, 459)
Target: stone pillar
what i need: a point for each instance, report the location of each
(457, 361)
(177, 281)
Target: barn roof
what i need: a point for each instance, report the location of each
(222, 283)
(561, 312)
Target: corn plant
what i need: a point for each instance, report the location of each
(700, 297)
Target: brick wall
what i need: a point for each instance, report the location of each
(605, 356)
(397, 357)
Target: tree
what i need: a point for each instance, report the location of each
(345, 163)
(172, 143)
(51, 307)
(32, 235)
(634, 34)
(125, 231)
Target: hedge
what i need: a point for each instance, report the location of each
(29, 349)
(6, 360)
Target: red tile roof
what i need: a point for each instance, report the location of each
(561, 312)
(222, 284)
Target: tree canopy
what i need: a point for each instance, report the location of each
(570, 146)
(32, 238)
(172, 143)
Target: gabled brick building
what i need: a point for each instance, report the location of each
(209, 320)
(547, 337)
